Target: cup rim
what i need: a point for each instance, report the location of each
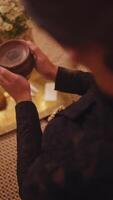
(24, 45)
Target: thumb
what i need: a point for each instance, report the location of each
(34, 47)
(6, 74)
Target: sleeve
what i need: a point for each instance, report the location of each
(29, 138)
(73, 81)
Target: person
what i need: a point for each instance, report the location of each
(73, 159)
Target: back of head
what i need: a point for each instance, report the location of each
(74, 22)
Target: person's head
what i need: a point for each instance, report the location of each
(84, 27)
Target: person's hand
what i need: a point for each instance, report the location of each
(43, 65)
(16, 85)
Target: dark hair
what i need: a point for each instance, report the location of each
(75, 23)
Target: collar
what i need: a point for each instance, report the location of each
(79, 107)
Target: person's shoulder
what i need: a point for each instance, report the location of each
(67, 118)
(66, 122)
(79, 107)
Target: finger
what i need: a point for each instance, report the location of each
(33, 47)
(36, 51)
(7, 74)
(3, 82)
(29, 43)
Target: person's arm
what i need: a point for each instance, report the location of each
(73, 81)
(28, 139)
(28, 125)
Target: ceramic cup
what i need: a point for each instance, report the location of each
(16, 56)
